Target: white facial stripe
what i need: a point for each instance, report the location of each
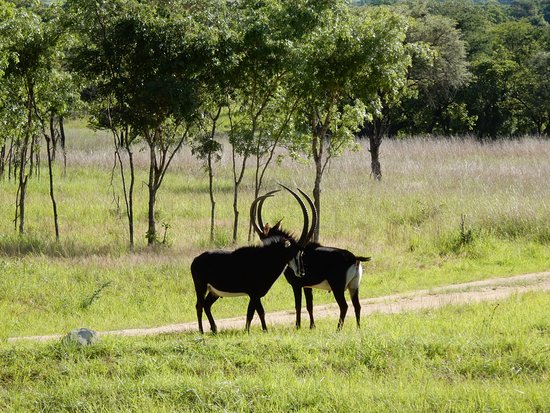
(294, 266)
(219, 293)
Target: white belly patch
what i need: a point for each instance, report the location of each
(219, 293)
(353, 278)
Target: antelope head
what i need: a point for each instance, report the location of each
(265, 231)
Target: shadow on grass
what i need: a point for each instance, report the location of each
(24, 245)
(223, 188)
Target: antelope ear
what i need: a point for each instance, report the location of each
(266, 229)
(287, 243)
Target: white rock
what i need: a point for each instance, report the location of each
(81, 336)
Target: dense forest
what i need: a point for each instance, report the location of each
(307, 75)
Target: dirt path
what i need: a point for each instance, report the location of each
(471, 292)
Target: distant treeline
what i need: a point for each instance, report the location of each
(490, 74)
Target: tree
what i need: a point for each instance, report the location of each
(30, 76)
(348, 59)
(7, 54)
(530, 94)
(527, 46)
(142, 61)
(529, 10)
(438, 78)
(217, 90)
(509, 91)
(263, 103)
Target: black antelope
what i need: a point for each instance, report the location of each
(248, 270)
(316, 266)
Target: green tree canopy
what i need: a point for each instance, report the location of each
(143, 62)
(347, 61)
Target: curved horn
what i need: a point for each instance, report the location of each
(258, 224)
(303, 238)
(260, 206)
(314, 216)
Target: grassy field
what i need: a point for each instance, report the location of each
(447, 211)
(410, 223)
(476, 358)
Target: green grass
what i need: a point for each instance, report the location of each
(447, 211)
(410, 223)
(484, 357)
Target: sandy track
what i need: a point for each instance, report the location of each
(471, 292)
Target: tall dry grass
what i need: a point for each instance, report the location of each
(429, 186)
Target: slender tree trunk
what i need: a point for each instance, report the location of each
(237, 179)
(317, 150)
(53, 138)
(130, 206)
(23, 176)
(235, 211)
(2, 160)
(12, 165)
(34, 157)
(151, 229)
(257, 183)
(211, 174)
(261, 169)
(50, 151)
(63, 147)
(211, 192)
(21, 196)
(158, 166)
(122, 141)
(317, 202)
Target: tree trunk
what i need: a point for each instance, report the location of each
(53, 143)
(23, 176)
(237, 179)
(235, 211)
(2, 160)
(21, 195)
(374, 150)
(63, 147)
(122, 141)
(317, 200)
(130, 206)
(257, 186)
(211, 174)
(130, 192)
(317, 151)
(50, 151)
(212, 200)
(151, 229)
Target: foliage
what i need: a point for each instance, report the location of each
(143, 63)
(436, 78)
(347, 62)
(33, 91)
(503, 43)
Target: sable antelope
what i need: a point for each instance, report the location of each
(248, 270)
(316, 266)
